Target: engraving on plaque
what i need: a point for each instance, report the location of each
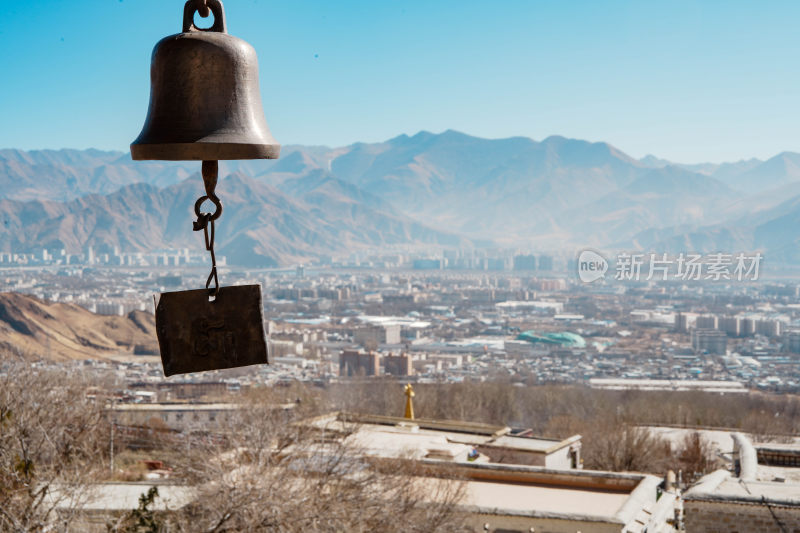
(196, 335)
(213, 338)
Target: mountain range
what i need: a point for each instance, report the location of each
(448, 189)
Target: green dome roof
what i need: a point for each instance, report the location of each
(561, 338)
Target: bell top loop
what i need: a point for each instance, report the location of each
(205, 103)
(216, 8)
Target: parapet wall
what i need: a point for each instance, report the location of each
(723, 517)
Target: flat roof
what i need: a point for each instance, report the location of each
(537, 492)
(145, 407)
(787, 473)
(721, 486)
(175, 407)
(789, 448)
(729, 387)
(528, 499)
(125, 496)
(530, 444)
(396, 442)
(694, 384)
(543, 500)
(456, 426)
(408, 433)
(787, 493)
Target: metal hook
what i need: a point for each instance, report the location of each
(204, 220)
(202, 7)
(210, 176)
(199, 224)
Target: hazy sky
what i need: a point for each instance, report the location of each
(688, 81)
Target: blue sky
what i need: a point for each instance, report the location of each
(688, 81)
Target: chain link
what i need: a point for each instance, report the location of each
(206, 220)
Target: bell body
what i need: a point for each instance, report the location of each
(205, 102)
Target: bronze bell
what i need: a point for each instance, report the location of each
(205, 102)
(205, 105)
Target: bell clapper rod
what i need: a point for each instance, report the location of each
(206, 220)
(210, 175)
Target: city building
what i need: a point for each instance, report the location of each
(706, 322)
(371, 337)
(562, 338)
(502, 489)
(793, 342)
(731, 325)
(398, 365)
(177, 416)
(545, 262)
(427, 264)
(684, 321)
(709, 341)
(359, 363)
(524, 262)
(768, 328)
(722, 502)
(721, 387)
(751, 498)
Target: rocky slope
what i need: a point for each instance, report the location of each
(260, 225)
(32, 329)
(443, 189)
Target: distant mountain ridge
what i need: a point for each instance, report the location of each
(261, 226)
(67, 174)
(773, 231)
(446, 189)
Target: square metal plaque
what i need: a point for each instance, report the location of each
(196, 334)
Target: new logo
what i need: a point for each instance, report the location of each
(591, 266)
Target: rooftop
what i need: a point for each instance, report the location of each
(542, 500)
(563, 338)
(176, 407)
(532, 444)
(668, 385)
(387, 436)
(530, 491)
(125, 496)
(723, 487)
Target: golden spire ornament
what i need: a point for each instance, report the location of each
(409, 392)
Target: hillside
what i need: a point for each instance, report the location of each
(67, 174)
(446, 189)
(518, 191)
(31, 329)
(261, 226)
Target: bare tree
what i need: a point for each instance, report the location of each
(263, 472)
(696, 456)
(52, 441)
(615, 445)
(273, 474)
